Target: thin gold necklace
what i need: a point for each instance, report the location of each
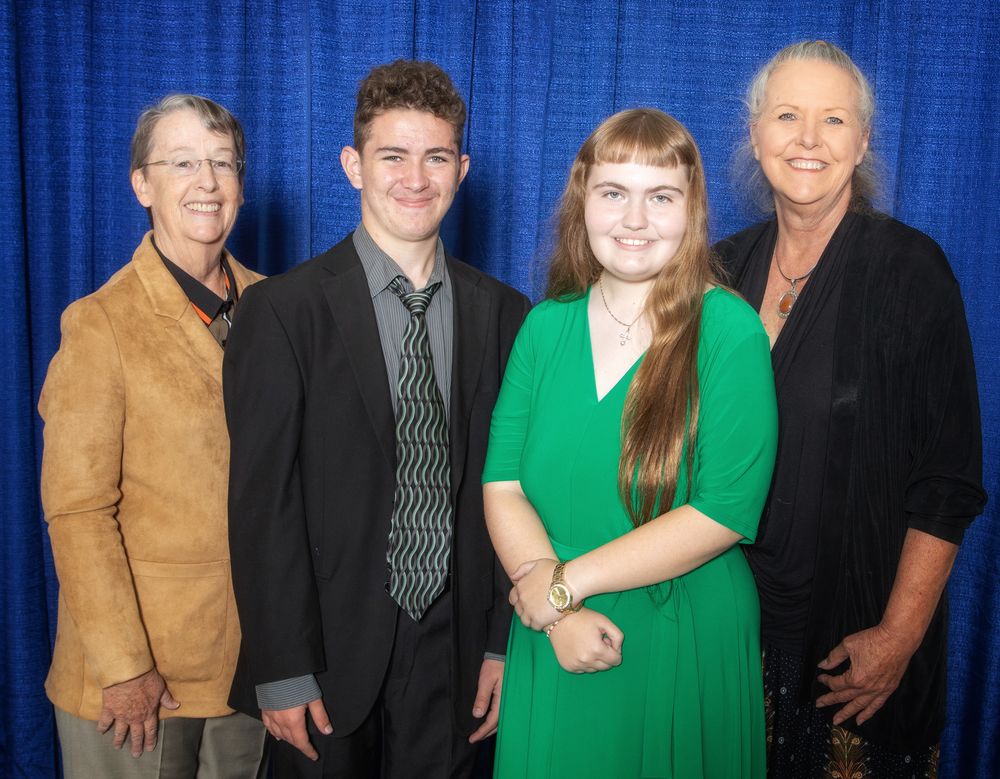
(626, 335)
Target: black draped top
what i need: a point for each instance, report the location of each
(878, 432)
(784, 556)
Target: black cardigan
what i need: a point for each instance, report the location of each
(904, 450)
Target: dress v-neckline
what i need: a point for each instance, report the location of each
(598, 398)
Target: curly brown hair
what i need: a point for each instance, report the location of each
(421, 86)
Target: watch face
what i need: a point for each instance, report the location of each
(559, 596)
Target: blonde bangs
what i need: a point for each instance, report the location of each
(641, 136)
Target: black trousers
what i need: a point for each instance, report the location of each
(409, 733)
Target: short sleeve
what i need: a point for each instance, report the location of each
(737, 418)
(512, 411)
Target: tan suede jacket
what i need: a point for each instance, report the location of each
(134, 486)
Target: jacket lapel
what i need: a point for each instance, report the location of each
(171, 305)
(472, 316)
(350, 302)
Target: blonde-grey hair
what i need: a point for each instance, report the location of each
(865, 183)
(212, 115)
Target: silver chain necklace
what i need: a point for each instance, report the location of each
(787, 301)
(626, 335)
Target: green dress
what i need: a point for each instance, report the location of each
(687, 700)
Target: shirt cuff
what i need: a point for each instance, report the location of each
(494, 656)
(951, 529)
(288, 693)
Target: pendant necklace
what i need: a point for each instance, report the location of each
(625, 335)
(787, 300)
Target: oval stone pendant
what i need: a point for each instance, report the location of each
(785, 303)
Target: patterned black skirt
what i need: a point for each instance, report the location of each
(803, 744)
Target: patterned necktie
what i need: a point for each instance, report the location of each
(420, 537)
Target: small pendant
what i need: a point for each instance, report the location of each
(625, 337)
(786, 302)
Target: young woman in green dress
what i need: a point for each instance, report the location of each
(630, 453)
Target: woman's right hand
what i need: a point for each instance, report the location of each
(587, 641)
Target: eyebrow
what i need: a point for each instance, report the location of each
(661, 188)
(792, 105)
(401, 150)
(215, 149)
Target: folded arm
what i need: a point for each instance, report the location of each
(583, 642)
(669, 546)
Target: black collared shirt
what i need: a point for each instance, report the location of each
(215, 312)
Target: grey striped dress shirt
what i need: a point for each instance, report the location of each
(392, 316)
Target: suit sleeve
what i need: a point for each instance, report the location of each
(276, 596)
(83, 406)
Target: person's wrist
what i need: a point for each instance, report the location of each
(574, 578)
(552, 625)
(903, 634)
(560, 596)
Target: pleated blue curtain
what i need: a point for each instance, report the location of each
(538, 77)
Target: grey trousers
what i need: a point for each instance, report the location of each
(230, 747)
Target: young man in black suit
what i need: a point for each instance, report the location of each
(359, 388)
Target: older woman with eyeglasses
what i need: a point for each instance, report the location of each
(878, 470)
(135, 471)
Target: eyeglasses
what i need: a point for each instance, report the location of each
(187, 167)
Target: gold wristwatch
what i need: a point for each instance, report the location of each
(560, 598)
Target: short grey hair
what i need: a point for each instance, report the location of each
(865, 183)
(213, 116)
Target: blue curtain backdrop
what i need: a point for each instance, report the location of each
(538, 77)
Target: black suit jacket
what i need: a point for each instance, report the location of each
(312, 480)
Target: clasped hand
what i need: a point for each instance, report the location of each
(530, 594)
(587, 642)
(584, 642)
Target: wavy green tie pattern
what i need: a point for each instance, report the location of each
(420, 537)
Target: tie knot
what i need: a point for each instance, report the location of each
(416, 302)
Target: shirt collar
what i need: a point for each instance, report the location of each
(201, 297)
(381, 269)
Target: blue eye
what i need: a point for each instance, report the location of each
(662, 199)
(834, 120)
(222, 166)
(786, 117)
(182, 164)
(613, 195)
